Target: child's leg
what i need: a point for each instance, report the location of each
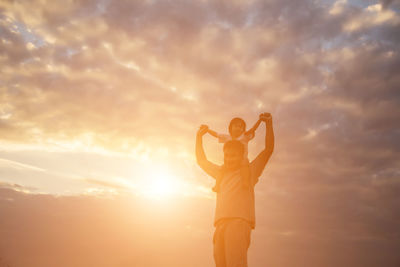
(245, 173)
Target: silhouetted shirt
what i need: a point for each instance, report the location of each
(234, 200)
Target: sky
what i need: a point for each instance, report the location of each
(100, 102)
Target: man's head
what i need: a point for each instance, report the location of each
(233, 154)
(237, 126)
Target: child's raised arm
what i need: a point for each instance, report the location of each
(213, 133)
(255, 126)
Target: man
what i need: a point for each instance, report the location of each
(235, 210)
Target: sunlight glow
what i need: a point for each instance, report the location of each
(160, 184)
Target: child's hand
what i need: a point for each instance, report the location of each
(205, 126)
(202, 130)
(266, 116)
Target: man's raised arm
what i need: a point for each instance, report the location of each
(209, 167)
(261, 160)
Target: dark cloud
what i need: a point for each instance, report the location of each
(390, 3)
(15, 187)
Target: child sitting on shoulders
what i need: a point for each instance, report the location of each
(237, 131)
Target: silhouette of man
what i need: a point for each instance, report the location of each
(235, 208)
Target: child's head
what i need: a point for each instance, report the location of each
(237, 126)
(233, 154)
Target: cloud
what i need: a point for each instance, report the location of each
(106, 184)
(391, 3)
(372, 15)
(136, 78)
(18, 165)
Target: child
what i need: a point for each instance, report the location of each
(237, 131)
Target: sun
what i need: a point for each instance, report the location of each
(159, 184)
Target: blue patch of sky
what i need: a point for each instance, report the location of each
(102, 6)
(356, 3)
(363, 3)
(224, 24)
(71, 51)
(28, 35)
(250, 19)
(334, 43)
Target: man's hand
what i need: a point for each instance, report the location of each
(202, 130)
(266, 117)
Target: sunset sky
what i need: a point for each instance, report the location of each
(100, 102)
